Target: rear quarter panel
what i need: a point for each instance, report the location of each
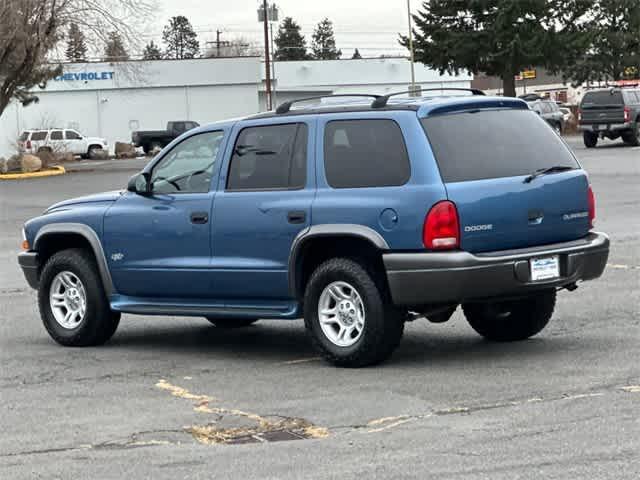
(367, 206)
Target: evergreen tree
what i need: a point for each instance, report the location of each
(356, 55)
(612, 45)
(323, 44)
(76, 46)
(499, 37)
(180, 39)
(152, 52)
(114, 50)
(290, 43)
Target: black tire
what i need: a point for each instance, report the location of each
(232, 322)
(384, 323)
(633, 137)
(514, 320)
(91, 154)
(590, 139)
(99, 322)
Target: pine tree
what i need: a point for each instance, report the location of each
(76, 46)
(356, 55)
(612, 45)
(323, 44)
(498, 37)
(114, 50)
(152, 52)
(180, 39)
(290, 43)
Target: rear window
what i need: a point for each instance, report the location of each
(493, 144)
(24, 136)
(598, 99)
(38, 136)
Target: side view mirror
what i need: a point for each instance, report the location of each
(140, 184)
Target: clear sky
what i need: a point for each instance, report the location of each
(372, 26)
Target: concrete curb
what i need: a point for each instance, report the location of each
(51, 172)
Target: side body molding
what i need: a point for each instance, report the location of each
(90, 235)
(327, 230)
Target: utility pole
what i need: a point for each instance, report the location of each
(267, 60)
(218, 32)
(413, 89)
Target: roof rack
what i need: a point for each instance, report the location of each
(382, 101)
(286, 106)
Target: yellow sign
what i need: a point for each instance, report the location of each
(528, 74)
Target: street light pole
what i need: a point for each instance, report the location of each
(266, 55)
(411, 54)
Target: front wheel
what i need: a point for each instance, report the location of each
(511, 320)
(73, 306)
(348, 317)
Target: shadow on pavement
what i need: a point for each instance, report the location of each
(287, 341)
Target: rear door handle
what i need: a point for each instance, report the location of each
(199, 218)
(297, 217)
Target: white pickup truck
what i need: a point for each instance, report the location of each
(60, 141)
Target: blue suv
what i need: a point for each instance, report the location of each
(356, 214)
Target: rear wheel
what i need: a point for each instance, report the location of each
(348, 317)
(633, 137)
(511, 320)
(94, 151)
(231, 322)
(590, 139)
(73, 307)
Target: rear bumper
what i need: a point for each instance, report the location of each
(30, 265)
(609, 127)
(454, 277)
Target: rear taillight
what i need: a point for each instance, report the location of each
(441, 229)
(28, 145)
(592, 207)
(579, 115)
(627, 114)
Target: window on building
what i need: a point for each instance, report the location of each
(270, 157)
(188, 167)
(71, 135)
(365, 153)
(56, 135)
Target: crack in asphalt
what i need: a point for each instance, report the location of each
(211, 435)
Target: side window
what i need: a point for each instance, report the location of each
(365, 153)
(269, 158)
(179, 127)
(188, 167)
(56, 135)
(38, 136)
(71, 135)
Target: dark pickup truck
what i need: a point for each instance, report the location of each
(151, 140)
(610, 113)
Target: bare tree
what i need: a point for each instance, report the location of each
(31, 32)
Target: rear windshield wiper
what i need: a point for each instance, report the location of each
(545, 171)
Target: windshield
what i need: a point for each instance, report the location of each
(494, 144)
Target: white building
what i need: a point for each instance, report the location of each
(112, 100)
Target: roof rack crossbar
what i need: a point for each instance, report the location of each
(286, 106)
(381, 101)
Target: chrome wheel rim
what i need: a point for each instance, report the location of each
(341, 314)
(68, 300)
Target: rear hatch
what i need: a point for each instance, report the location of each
(602, 107)
(485, 158)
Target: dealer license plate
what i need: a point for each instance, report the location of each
(545, 268)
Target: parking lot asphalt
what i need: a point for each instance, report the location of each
(563, 405)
